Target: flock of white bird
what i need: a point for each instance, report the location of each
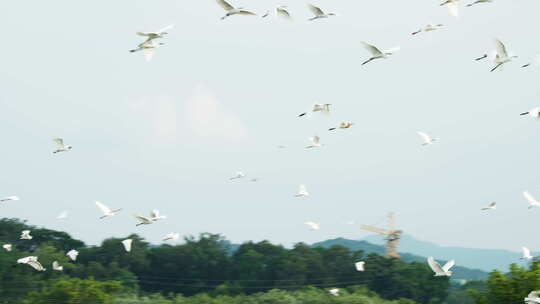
(498, 57)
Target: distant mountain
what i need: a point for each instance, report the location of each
(484, 259)
(460, 272)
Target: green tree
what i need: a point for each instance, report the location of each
(76, 291)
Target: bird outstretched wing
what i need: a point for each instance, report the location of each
(501, 49)
(226, 6)
(59, 142)
(434, 265)
(372, 49)
(315, 10)
(103, 208)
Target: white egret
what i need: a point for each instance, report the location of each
(143, 220)
(319, 13)
(502, 56)
(231, 10)
(149, 47)
(302, 191)
(535, 113)
(532, 298)
(313, 225)
(72, 254)
(10, 198)
(238, 175)
(334, 292)
(315, 142)
(343, 125)
(56, 266)
(478, 2)
(32, 261)
(7, 247)
(428, 140)
(155, 216)
(127, 244)
(157, 34)
(25, 235)
(526, 254)
(491, 206)
(359, 265)
(106, 210)
(280, 11)
(376, 53)
(61, 147)
(171, 236)
(441, 271)
(453, 7)
(428, 28)
(531, 200)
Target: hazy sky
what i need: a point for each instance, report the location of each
(220, 96)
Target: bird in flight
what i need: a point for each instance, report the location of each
(502, 55)
(478, 2)
(428, 140)
(25, 235)
(359, 265)
(157, 34)
(106, 210)
(9, 198)
(453, 7)
(302, 191)
(127, 244)
(238, 175)
(532, 298)
(231, 10)
(155, 216)
(32, 261)
(143, 220)
(319, 107)
(72, 254)
(531, 200)
(56, 266)
(535, 113)
(428, 28)
(61, 147)
(313, 225)
(315, 142)
(319, 13)
(62, 216)
(441, 271)
(171, 236)
(526, 254)
(376, 53)
(343, 125)
(7, 247)
(148, 47)
(491, 206)
(334, 292)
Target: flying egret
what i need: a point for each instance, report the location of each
(32, 261)
(127, 244)
(62, 216)
(441, 271)
(171, 236)
(302, 191)
(25, 235)
(157, 34)
(72, 254)
(377, 53)
(155, 216)
(478, 2)
(359, 265)
(313, 225)
(10, 198)
(502, 56)
(238, 175)
(453, 7)
(491, 206)
(319, 13)
(231, 10)
(428, 140)
(143, 220)
(315, 142)
(535, 113)
(324, 108)
(526, 254)
(531, 200)
(334, 292)
(149, 46)
(56, 266)
(429, 28)
(61, 147)
(343, 125)
(280, 11)
(7, 247)
(532, 298)
(106, 210)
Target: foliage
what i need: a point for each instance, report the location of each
(76, 291)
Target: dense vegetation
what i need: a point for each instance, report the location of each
(204, 267)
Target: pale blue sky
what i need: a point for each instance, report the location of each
(220, 96)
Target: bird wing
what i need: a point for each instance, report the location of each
(316, 139)
(59, 142)
(24, 260)
(55, 265)
(424, 136)
(143, 219)
(36, 265)
(103, 208)
(493, 204)
(168, 27)
(526, 251)
(226, 6)
(453, 8)
(448, 265)
(434, 265)
(315, 10)
(302, 189)
(530, 198)
(359, 266)
(501, 49)
(244, 12)
(283, 12)
(145, 34)
(127, 244)
(372, 49)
